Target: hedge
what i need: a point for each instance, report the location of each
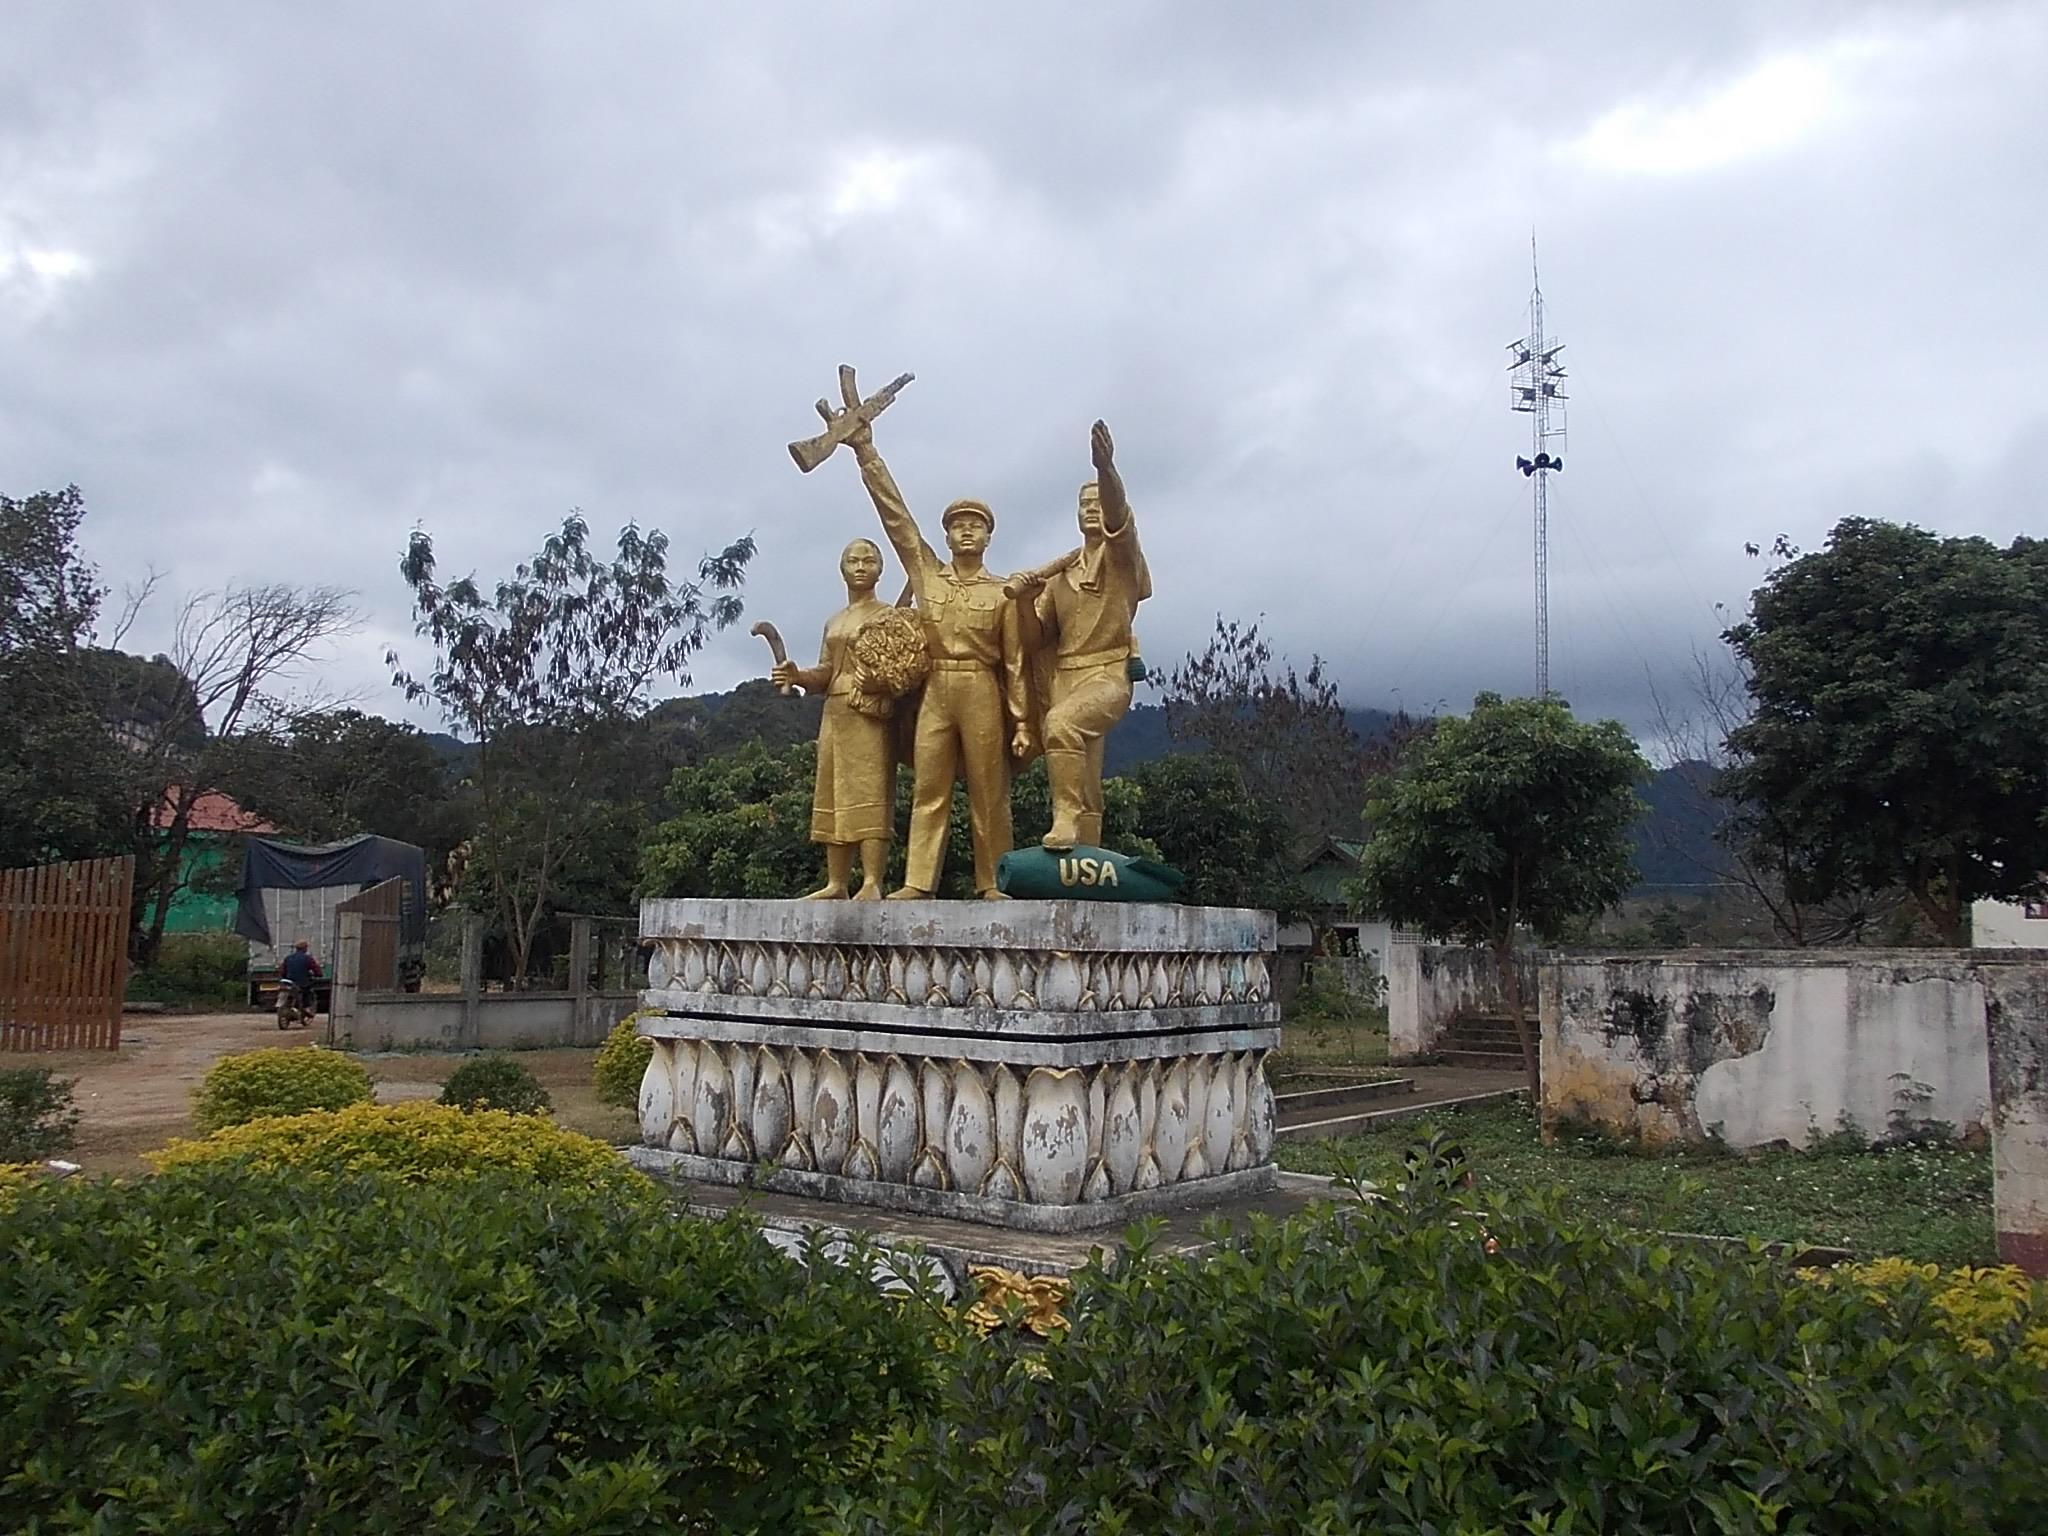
(415, 1141)
(1410, 1368)
(495, 1082)
(255, 1084)
(621, 1064)
(246, 1349)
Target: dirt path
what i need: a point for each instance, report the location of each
(139, 1097)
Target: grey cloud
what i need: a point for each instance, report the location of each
(346, 273)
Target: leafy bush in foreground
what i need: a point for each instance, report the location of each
(1406, 1369)
(621, 1063)
(495, 1082)
(416, 1142)
(237, 1349)
(37, 1116)
(255, 1084)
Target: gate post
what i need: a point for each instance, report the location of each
(579, 980)
(473, 979)
(348, 977)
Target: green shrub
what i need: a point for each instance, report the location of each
(37, 1117)
(1414, 1367)
(621, 1063)
(192, 968)
(415, 1142)
(240, 1350)
(255, 1084)
(495, 1082)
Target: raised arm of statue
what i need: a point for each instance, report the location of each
(1116, 508)
(920, 561)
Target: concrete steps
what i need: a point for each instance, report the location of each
(1487, 1060)
(1482, 1040)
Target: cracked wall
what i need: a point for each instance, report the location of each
(1767, 1048)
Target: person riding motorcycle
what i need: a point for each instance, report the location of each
(296, 976)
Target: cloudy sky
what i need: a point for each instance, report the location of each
(280, 283)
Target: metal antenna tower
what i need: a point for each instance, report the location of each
(1538, 388)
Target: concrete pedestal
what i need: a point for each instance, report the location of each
(1046, 1066)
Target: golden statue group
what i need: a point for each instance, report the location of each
(979, 677)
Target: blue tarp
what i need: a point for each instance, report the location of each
(357, 861)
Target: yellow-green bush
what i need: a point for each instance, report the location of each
(1983, 1310)
(416, 1142)
(621, 1063)
(256, 1084)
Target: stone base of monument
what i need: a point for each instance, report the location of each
(1048, 1066)
(944, 1249)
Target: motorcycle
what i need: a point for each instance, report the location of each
(294, 1007)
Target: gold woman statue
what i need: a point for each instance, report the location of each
(853, 806)
(1082, 606)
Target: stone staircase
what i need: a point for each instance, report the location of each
(1482, 1040)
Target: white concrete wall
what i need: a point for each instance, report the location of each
(2005, 925)
(503, 1021)
(1767, 1046)
(1429, 985)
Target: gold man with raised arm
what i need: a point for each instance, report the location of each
(1083, 607)
(974, 712)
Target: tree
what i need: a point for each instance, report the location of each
(1286, 731)
(187, 718)
(63, 789)
(1516, 815)
(1751, 855)
(1235, 849)
(331, 774)
(548, 674)
(742, 827)
(1899, 732)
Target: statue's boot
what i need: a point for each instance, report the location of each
(1067, 772)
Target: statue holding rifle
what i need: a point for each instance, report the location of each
(974, 716)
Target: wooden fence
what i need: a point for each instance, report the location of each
(64, 954)
(380, 906)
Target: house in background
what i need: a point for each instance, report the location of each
(2009, 924)
(1332, 932)
(213, 862)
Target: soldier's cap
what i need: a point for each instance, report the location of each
(967, 506)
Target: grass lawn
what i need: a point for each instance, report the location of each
(1927, 1203)
(1319, 1036)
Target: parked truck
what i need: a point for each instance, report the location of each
(292, 891)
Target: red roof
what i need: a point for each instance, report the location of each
(212, 812)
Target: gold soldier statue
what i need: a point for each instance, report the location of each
(1083, 606)
(974, 713)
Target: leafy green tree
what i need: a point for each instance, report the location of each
(1514, 816)
(742, 827)
(548, 674)
(330, 774)
(1899, 736)
(1235, 848)
(63, 786)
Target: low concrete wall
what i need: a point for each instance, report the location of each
(1770, 1046)
(1429, 985)
(501, 1021)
